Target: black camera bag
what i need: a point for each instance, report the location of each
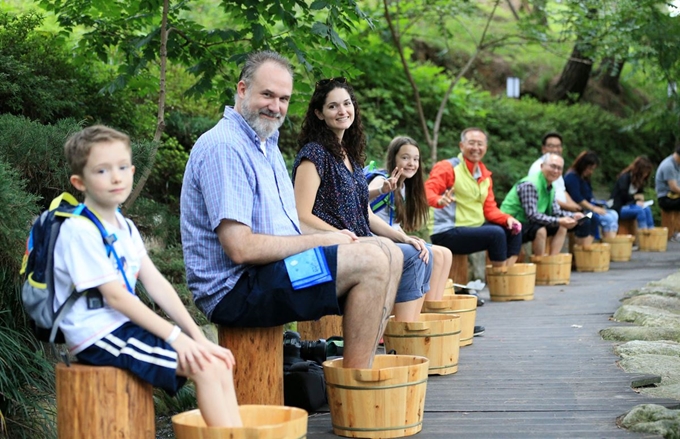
(304, 385)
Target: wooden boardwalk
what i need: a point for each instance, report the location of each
(541, 369)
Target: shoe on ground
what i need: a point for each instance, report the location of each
(635, 248)
(479, 330)
(676, 237)
(480, 302)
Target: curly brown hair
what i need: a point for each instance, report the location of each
(315, 130)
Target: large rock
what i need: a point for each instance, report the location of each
(636, 347)
(653, 419)
(655, 301)
(629, 333)
(648, 316)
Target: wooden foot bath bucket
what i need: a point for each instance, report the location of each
(385, 401)
(464, 305)
(621, 247)
(259, 422)
(511, 283)
(553, 270)
(594, 257)
(653, 240)
(434, 336)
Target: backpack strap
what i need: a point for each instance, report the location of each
(382, 201)
(109, 239)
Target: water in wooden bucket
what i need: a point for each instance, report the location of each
(434, 336)
(553, 270)
(621, 247)
(464, 305)
(593, 257)
(259, 422)
(385, 401)
(511, 283)
(653, 240)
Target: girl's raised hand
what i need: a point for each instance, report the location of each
(390, 184)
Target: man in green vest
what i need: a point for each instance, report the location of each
(532, 202)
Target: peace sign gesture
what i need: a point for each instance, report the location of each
(447, 198)
(390, 184)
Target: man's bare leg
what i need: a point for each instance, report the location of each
(558, 241)
(538, 246)
(368, 275)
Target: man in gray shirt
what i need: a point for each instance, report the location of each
(667, 181)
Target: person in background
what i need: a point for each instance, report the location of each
(667, 181)
(331, 192)
(552, 143)
(533, 202)
(467, 218)
(399, 199)
(577, 182)
(629, 193)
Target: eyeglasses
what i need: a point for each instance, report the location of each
(325, 82)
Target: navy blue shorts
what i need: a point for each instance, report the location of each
(264, 297)
(529, 231)
(135, 349)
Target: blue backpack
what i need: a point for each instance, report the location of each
(37, 293)
(382, 201)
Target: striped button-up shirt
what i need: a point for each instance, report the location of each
(229, 176)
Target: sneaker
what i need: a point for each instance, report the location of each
(479, 330)
(480, 302)
(675, 237)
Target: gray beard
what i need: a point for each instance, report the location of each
(264, 129)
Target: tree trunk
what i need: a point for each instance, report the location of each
(611, 74)
(574, 77)
(160, 118)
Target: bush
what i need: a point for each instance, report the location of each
(36, 152)
(165, 180)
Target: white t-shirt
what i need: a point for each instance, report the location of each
(80, 260)
(560, 189)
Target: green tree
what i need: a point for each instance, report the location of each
(138, 35)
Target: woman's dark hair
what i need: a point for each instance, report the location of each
(584, 160)
(315, 130)
(411, 213)
(640, 170)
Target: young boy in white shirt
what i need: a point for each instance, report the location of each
(122, 331)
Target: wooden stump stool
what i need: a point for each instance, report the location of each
(459, 269)
(103, 402)
(671, 220)
(325, 327)
(627, 227)
(258, 375)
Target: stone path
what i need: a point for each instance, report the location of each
(542, 369)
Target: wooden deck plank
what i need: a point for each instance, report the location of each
(541, 369)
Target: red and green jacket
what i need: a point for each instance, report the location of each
(475, 202)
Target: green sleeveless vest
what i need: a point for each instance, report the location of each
(513, 206)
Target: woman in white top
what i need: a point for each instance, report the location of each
(400, 200)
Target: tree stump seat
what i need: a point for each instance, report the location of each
(258, 374)
(103, 402)
(671, 220)
(459, 269)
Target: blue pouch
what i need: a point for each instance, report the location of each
(308, 268)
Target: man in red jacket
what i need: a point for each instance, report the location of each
(467, 218)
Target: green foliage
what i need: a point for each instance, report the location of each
(187, 128)
(35, 151)
(157, 222)
(26, 386)
(165, 181)
(515, 129)
(184, 400)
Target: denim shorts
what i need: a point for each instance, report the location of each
(415, 277)
(264, 297)
(135, 349)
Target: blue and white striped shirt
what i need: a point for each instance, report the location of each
(229, 177)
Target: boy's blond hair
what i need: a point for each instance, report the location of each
(78, 146)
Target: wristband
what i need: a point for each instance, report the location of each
(176, 331)
(380, 191)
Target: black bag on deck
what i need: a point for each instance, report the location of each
(304, 385)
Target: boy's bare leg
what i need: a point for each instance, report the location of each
(368, 275)
(215, 393)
